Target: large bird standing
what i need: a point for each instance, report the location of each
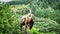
(28, 21)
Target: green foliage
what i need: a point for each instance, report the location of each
(20, 9)
(46, 9)
(7, 19)
(47, 16)
(45, 25)
(34, 31)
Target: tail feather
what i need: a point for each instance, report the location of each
(31, 23)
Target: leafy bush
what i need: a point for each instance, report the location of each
(45, 25)
(20, 9)
(7, 19)
(34, 31)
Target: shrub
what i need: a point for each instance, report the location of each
(34, 31)
(45, 25)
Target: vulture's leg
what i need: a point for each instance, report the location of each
(27, 28)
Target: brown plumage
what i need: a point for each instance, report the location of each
(28, 21)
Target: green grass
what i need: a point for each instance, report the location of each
(48, 33)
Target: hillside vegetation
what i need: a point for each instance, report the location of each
(46, 12)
